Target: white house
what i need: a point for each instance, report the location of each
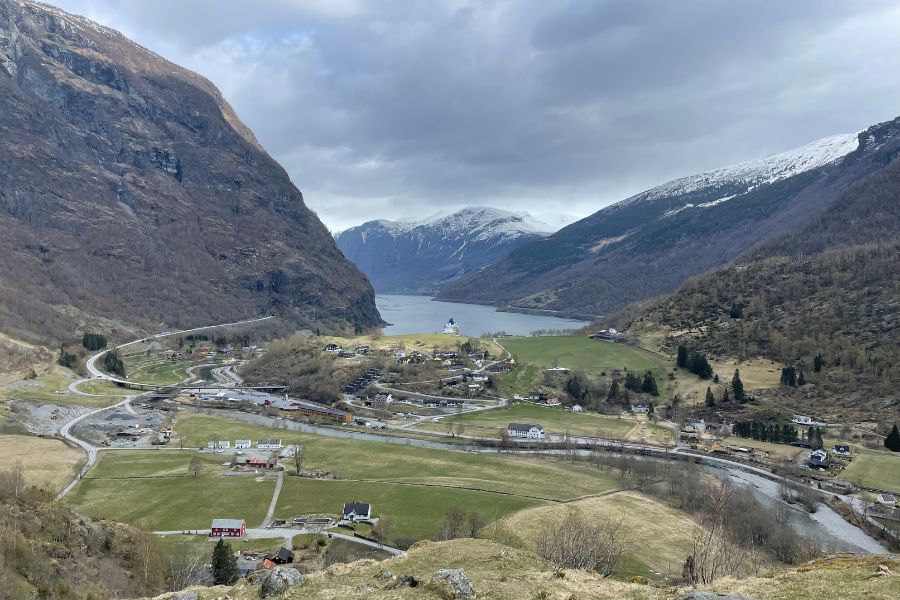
(801, 420)
(243, 444)
(886, 499)
(270, 444)
(842, 450)
(220, 445)
(357, 511)
(577, 408)
(525, 431)
(640, 408)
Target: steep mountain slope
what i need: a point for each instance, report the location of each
(132, 195)
(422, 256)
(651, 243)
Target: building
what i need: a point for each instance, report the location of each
(577, 408)
(886, 499)
(357, 511)
(537, 397)
(553, 401)
(332, 348)
(842, 450)
(525, 430)
(261, 463)
(228, 528)
(282, 557)
(609, 335)
(640, 408)
(243, 444)
(220, 445)
(269, 444)
(818, 459)
(801, 420)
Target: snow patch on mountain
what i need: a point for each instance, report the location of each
(756, 172)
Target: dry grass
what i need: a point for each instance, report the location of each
(658, 536)
(411, 341)
(47, 463)
(755, 374)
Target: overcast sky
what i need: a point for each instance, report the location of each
(402, 108)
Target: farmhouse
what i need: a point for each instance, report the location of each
(842, 450)
(332, 348)
(220, 445)
(640, 408)
(243, 444)
(269, 444)
(553, 401)
(818, 459)
(577, 408)
(283, 556)
(228, 528)
(260, 463)
(525, 430)
(357, 511)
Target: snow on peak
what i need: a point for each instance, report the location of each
(761, 171)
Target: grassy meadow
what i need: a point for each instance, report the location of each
(874, 469)
(579, 353)
(46, 463)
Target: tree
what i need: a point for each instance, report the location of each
(710, 398)
(475, 524)
(737, 386)
(715, 552)
(582, 542)
(452, 525)
(93, 341)
(195, 467)
(892, 441)
(298, 459)
(224, 564)
(113, 364)
(383, 529)
(818, 363)
(725, 398)
(649, 386)
(682, 359)
(801, 380)
(613, 390)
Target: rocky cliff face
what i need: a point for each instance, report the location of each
(130, 193)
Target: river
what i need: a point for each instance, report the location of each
(410, 313)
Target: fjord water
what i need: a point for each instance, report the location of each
(409, 313)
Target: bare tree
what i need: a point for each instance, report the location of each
(475, 524)
(383, 529)
(195, 467)
(582, 542)
(452, 525)
(298, 459)
(715, 553)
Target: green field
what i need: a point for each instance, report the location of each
(47, 387)
(554, 420)
(152, 488)
(879, 470)
(578, 353)
(350, 459)
(150, 368)
(416, 511)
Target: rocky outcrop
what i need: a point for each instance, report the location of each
(131, 195)
(278, 581)
(453, 583)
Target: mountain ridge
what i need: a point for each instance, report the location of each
(155, 205)
(421, 255)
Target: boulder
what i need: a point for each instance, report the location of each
(453, 583)
(278, 580)
(406, 581)
(186, 595)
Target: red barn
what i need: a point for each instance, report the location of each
(228, 528)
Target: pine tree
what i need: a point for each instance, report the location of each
(613, 390)
(892, 441)
(224, 564)
(725, 397)
(710, 398)
(818, 363)
(649, 386)
(737, 387)
(801, 380)
(682, 360)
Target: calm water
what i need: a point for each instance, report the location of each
(420, 314)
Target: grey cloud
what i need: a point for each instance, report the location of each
(391, 109)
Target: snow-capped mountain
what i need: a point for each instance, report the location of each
(421, 256)
(650, 243)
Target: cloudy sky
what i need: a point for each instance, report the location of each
(391, 109)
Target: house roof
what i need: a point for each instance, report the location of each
(522, 426)
(269, 441)
(359, 508)
(241, 441)
(885, 497)
(284, 554)
(227, 523)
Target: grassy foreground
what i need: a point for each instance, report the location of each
(498, 572)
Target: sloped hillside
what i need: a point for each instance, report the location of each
(842, 306)
(500, 572)
(132, 195)
(650, 244)
(424, 255)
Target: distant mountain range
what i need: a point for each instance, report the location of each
(651, 243)
(422, 256)
(132, 196)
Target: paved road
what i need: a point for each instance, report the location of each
(257, 533)
(271, 513)
(91, 450)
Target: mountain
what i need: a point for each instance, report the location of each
(131, 195)
(421, 256)
(651, 243)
